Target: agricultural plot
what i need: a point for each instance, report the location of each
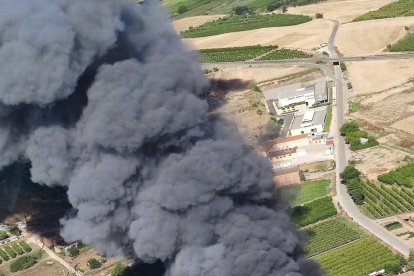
(285, 54)
(234, 54)
(312, 212)
(382, 201)
(406, 44)
(244, 23)
(194, 7)
(358, 258)
(402, 176)
(307, 192)
(329, 235)
(396, 9)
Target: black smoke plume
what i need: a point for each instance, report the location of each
(103, 98)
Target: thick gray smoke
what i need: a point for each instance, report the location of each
(103, 98)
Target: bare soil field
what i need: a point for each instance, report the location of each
(375, 76)
(194, 21)
(385, 112)
(372, 36)
(406, 125)
(378, 160)
(257, 74)
(304, 36)
(343, 10)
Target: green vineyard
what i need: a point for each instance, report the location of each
(329, 235)
(406, 44)
(234, 54)
(306, 192)
(285, 54)
(383, 201)
(396, 9)
(312, 212)
(244, 23)
(358, 258)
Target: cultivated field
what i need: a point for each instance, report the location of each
(305, 36)
(375, 76)
(370, 37)
(261, 74)
(406, 125)
(396, 9)
(329, 235)
(307, 192)
(404, 45)
(243, 23)
(314, 211)
(194, 21)
(342, 10)
(358, 258)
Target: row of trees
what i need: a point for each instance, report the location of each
(352, 178)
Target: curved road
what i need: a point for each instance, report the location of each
(341, 161)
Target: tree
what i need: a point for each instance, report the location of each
(284, 8)
(302, 176)
(14, 230)
(273, 6)
(94, 263)
(350, 172)
(349, 127)
(3, 235)
(240, 10)
(355, 191)
(319, 15)
(182, 9)
(410, 262)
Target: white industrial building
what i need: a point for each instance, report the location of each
(295, 97)
(308, 122)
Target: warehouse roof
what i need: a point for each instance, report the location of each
(318, 88)
(318, 119)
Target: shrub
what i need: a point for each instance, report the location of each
(119, 270)
(240, 10)
(22, 263)
(3, 235)
(14, 230)
(10, 251)
(273, 6)
(72, 251)
(392, 267)
(343, 66)
(17, 248)
(349, 127)
(302, 176)
(94, 263)
(25, 246)
(318, 15)
(182, 9)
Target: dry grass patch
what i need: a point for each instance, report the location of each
(406, 125)
(304, 36)
(371, 37)
(375, 76)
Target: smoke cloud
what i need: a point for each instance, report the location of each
(104, 99)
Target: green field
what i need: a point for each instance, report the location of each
(195, 7)
(406, 44)
(383, 201)
(330, 234)
(396, 9)
(234, 54)
(314, 211)
(393, 226)
(358, 258)
(353, 134)
(307, 192)
(244, 23)
(403, 176)
(285, 54)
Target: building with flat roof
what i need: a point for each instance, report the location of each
(295, 97)
(309, 122)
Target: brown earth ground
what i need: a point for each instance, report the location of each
(194, 21)
(378, 160)
(372, 36)
(304, 36)
(375, 76)
(343, 10)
